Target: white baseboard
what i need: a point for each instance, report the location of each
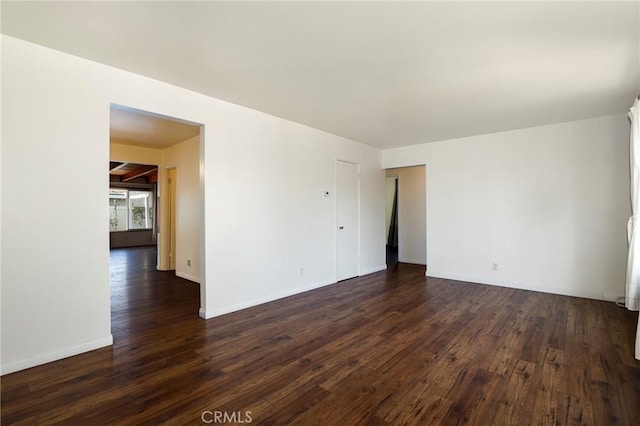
(610, 297)
(373, 270)
(587, 294)
(12, 367)
(412, 261)
(260, 300)
(188, 277)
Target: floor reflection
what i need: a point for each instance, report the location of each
(142, 296)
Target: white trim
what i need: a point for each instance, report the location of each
(188, 277)
(259, 301)
(359, 214)
(399, 222)
(203, 215)
(202, 313)
(412, 261)
(587, 294)
(12, 367)
(373, 270)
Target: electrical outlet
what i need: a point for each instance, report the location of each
(302, 272)
(494, 266)
(188, 262)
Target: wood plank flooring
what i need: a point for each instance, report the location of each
(389, 348)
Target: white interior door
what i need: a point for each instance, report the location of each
(347, 220)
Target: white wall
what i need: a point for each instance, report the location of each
(412, 240)
(548, 204)
(265, 211)
(185, 156)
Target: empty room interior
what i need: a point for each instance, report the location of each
(320, 212)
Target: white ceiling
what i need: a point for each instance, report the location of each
(134, 127)
(383, 73)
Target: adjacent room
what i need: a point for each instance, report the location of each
(320, 212)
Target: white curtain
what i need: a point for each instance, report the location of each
(633, 227)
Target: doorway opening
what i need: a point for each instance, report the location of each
(132, 204)
(406, 216)
(161, 218)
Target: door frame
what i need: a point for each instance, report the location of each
(171, 211)
(162, 262)
(398, 175)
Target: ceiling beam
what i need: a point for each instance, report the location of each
(115, 165)
(139, 172)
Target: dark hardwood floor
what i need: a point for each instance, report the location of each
(389, 348)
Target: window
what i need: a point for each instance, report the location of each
(129, 209)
